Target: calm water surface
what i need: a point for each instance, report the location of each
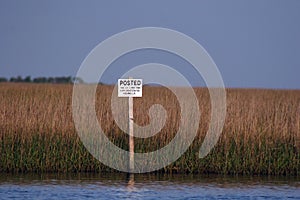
(118, 186)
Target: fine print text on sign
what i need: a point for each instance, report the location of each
(130, 87)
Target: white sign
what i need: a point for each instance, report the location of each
(130, 87)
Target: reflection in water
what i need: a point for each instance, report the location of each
(130, 185)
(145, 186)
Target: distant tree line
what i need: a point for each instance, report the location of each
(28, 79)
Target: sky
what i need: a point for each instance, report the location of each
(254, 43)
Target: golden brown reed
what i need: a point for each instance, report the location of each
(261, 133)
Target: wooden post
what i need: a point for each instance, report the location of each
(131, 138)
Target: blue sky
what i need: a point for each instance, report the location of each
(254, 43)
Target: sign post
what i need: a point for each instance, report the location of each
(131, 138)
(130, 88)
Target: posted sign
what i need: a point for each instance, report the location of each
(130, 87)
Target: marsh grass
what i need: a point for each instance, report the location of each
(261, 133)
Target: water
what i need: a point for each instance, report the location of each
(118, 186)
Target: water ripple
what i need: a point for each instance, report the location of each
(146, 187)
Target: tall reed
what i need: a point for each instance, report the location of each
(261, 133)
